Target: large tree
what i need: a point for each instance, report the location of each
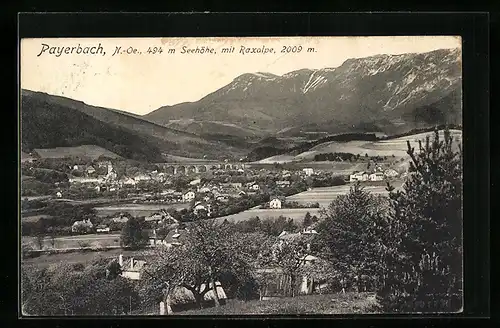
(208, 254)
(289, 257)
(423, 252)
(349, 236)
(65, 289)
(133, 234)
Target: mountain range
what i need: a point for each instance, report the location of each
(389, 94)
(386, 93)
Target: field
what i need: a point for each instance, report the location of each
(325, 195)
(297, 214)
(137, 209)
(34, 218)
(396, 147)
(90, 151)
(78, 257)
(76, 241)
(348, 303)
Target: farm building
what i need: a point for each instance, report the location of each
(202, 206)
(175, 237)
(377, 176)
(128, 181)
(391, 173)
(253, 186)
(131, 268)
(102, 228)
(142, 177)
(359, 176)
(204, 190)
(84, 180)
(308, 171)
(189, 196)
(275, 203)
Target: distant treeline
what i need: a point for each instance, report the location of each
(268, 151)
(422, 130)
(334, 157)
(345, 137)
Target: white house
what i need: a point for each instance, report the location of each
(142, 177)
(391, 173)
(377, 176)
(102, 228)
(59, 194)
(129, 182)
(202, 207)
(204, 190)
(84, 180)
(359, 176)
(90, 169)
(189, 196)
(275, 203)
(154, 217)
(132, 268)
(255, 187)
(284, 183)
(308, 171)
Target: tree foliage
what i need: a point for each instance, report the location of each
(424, 243)
(349, 235)
(64, 289)
(133, 234)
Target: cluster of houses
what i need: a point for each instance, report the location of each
(377, 175)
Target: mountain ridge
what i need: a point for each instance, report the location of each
(162, 139)
(372, 88)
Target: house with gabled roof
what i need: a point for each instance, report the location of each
(131, 268)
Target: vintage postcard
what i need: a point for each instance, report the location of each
(241, 176)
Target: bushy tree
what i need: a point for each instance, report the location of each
(307, 220)
(132, 234)
(423, 251)
(209, 254)
(289, 257)
(65, 289)
(350, 237)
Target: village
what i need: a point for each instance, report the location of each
(220, 190)
(175, 199)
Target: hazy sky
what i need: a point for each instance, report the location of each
(141, 83)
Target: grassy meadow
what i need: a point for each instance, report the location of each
(348, 303)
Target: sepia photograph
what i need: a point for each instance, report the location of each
(240, 176)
